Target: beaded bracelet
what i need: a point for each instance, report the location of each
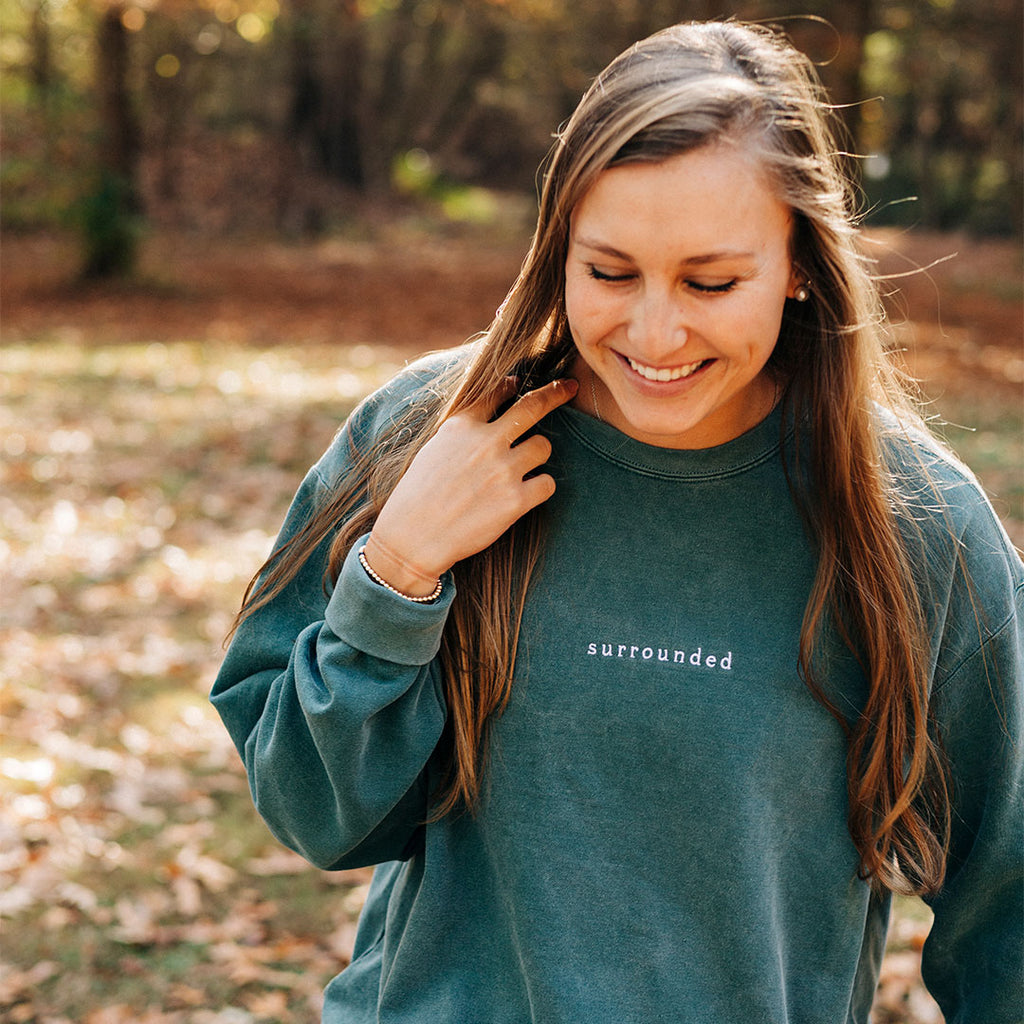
(433, 596)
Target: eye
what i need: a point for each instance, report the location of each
(597, 275)
(713, 289)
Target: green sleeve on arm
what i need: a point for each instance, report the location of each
(973, 961)
(336, 707)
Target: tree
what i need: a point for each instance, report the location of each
(949, 129)
(110, 213)
(372, 80)
(341, 91)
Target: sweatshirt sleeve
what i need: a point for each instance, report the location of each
(973, 960)
(335, 703)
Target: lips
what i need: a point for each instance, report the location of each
(665, 373)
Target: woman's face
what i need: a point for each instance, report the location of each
(676, 277)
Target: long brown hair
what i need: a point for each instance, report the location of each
(680, 89)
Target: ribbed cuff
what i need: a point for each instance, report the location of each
(381, 623)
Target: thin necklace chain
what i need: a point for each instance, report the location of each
(593, 395)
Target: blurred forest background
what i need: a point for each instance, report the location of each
(171, 108)
(224, 221)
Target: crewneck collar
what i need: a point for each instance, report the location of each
(750, 449)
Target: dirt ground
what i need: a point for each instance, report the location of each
(406, 291)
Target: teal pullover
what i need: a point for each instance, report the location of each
(662, 835)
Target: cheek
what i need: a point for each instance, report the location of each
(761, 321)
(773, 323)
(575, 292)
(576, 311)
(590, 314)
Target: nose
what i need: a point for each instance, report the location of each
(657, 325)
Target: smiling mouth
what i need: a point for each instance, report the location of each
(665, 373)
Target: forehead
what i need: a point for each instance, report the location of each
(714, 194)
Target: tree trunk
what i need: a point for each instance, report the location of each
(42, 53)
(43, 77)
(342, 137)
(119, 130)
(323, 115)
(853, 20)
(111, 212)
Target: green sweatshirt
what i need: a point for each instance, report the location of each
(663, 833)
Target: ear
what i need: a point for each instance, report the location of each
(797, 278)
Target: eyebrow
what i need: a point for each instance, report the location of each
(618, 254)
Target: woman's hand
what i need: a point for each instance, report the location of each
(464, 489)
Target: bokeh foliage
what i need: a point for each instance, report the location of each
(343, 90)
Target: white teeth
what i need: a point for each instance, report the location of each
(675, 373)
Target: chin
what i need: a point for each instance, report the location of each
(661, 431)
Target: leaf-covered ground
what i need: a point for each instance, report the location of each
(151, 437)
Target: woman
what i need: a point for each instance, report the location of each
(649, 644)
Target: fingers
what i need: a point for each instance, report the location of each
(466, 485)
(531, 453)
(529, 410)
(537, 490)
(503, 394)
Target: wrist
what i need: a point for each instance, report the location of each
(391, 570)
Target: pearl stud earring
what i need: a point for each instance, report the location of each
(802, 292)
